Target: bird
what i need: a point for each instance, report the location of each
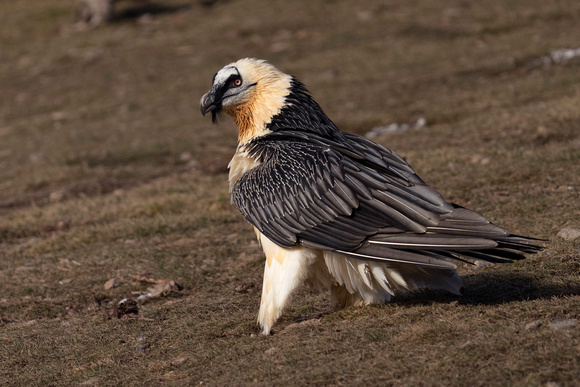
(336, 210)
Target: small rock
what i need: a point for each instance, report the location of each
(454, 303)
(565, 55)
(557, 325)
(533, 325)
(143, 347)
(185, 156)
(421, 122)
(542, 131)
(58, 196)
(480, 159)
(179, 361)
(396, 128)
(481, 263)
(569, 233)
(63, 225)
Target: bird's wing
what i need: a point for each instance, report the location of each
(353, 197)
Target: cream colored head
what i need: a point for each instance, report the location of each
(250, 90)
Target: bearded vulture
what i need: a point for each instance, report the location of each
(336, 210)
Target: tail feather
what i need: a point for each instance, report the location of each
(461, 234)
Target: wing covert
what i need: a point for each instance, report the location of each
(329, 196)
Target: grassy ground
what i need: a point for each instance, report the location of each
(108, 171)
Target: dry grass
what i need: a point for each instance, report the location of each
(107, 170)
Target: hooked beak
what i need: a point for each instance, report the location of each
(207, 103)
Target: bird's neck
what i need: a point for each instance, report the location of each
(301, 112)
(250, 123)
(253, 117)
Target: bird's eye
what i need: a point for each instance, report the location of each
(237, 82)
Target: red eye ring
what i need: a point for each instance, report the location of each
(237, 82)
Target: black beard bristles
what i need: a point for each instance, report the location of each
(216, 115)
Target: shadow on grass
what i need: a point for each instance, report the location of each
(494, 288)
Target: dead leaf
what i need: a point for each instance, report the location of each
(112, 283)
(144, 278)
(162, 287)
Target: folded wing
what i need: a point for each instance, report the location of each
(362, 200)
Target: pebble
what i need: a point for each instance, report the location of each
(185, 156)
(533, 325)
(569, 233)
(396, 128)
(179, 361)
(480, 263)
(565, 55)
(557, 325)
(143, 347)
(58, 196)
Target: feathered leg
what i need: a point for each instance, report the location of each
(285, 270)
(359, 282)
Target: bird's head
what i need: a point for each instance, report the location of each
(250, 90)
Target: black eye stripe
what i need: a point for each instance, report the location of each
(232, 78)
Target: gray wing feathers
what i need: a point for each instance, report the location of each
(359, 199)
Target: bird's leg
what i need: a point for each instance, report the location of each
(285, 270)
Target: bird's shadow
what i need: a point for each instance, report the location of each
(493, 288)
(480, 288)
(136, 12)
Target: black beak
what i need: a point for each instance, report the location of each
(207, 103)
